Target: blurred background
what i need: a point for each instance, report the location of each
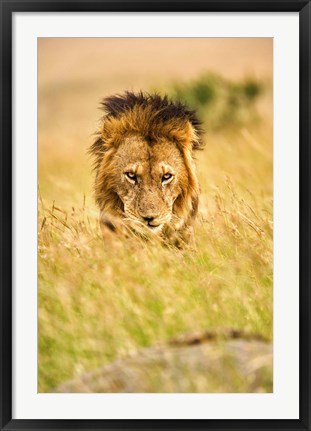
(96, 307)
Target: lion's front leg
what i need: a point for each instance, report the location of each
(180, 238)
(112, 227)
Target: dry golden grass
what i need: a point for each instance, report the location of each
(100, 301)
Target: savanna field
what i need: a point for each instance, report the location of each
(100, 301)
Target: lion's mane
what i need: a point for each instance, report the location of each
(150, 116)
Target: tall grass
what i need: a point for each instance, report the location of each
(101, 300)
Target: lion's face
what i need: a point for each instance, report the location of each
(148, 179)
(145, 172)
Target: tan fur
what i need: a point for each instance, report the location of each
(147, 143)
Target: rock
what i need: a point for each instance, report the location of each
(199, 362)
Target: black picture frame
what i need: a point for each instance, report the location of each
(7, 10)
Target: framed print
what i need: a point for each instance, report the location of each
(155, 215)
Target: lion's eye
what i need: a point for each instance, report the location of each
(131, 176)
(166, 177)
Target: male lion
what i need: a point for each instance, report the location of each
(145, 173)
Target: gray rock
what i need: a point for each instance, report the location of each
(199, 362)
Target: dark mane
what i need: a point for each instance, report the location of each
(164, 108)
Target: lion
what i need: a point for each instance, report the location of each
(145, 173)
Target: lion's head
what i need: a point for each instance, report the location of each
(145, 174)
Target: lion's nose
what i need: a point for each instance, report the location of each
(148, 218)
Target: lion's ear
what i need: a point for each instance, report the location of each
(97, 146)
(195, 135)
(97, 150)
(187, 136)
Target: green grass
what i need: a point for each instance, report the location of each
(99, 301)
